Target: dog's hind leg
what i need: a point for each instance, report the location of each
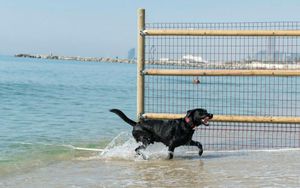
(138, 151)
(198, 144)
(144, 137)
(145, 144)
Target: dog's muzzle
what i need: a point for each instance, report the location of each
(205, 120)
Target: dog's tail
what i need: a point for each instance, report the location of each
(123, 116)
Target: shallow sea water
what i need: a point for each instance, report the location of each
(214, 169)
(49, 107)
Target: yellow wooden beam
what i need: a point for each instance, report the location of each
(175, 72)
(197, 32)
(230, 118)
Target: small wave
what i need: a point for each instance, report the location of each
(259, 150)
(122, 147)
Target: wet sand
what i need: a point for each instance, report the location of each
(213, 169)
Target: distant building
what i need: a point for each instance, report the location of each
(193, 59)
(276, 56)
(131, 54)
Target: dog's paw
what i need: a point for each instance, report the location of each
(171, 155)
(145, 157)
(200, 152)
(142, 155)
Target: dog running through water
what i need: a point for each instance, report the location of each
(172, 133)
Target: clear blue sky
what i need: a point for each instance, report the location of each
(108, 28)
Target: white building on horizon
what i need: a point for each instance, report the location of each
(193, 59)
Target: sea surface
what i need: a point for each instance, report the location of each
(51, 110)
(46, 104)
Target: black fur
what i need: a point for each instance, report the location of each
(172, 133)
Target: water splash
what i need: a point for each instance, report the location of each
(118, 140)
(122, 147)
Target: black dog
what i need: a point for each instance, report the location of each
(172, 133)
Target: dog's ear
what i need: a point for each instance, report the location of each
(189, 113)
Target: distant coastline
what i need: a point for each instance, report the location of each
(76, 58)
(181, 62)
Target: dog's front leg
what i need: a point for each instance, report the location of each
(171, 152)
(198, 144)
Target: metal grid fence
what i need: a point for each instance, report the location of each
(240, 95)
(220, 136)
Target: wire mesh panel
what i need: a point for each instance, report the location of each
(224, 52)
(228, 95)
(248, 136)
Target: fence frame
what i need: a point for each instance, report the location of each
(172, 72)
(190, 32)
(141, 72)
(140, 64)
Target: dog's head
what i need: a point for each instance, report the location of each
(198, 117)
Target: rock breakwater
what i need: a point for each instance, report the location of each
(76, 58)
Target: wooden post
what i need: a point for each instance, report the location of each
(140, 63)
